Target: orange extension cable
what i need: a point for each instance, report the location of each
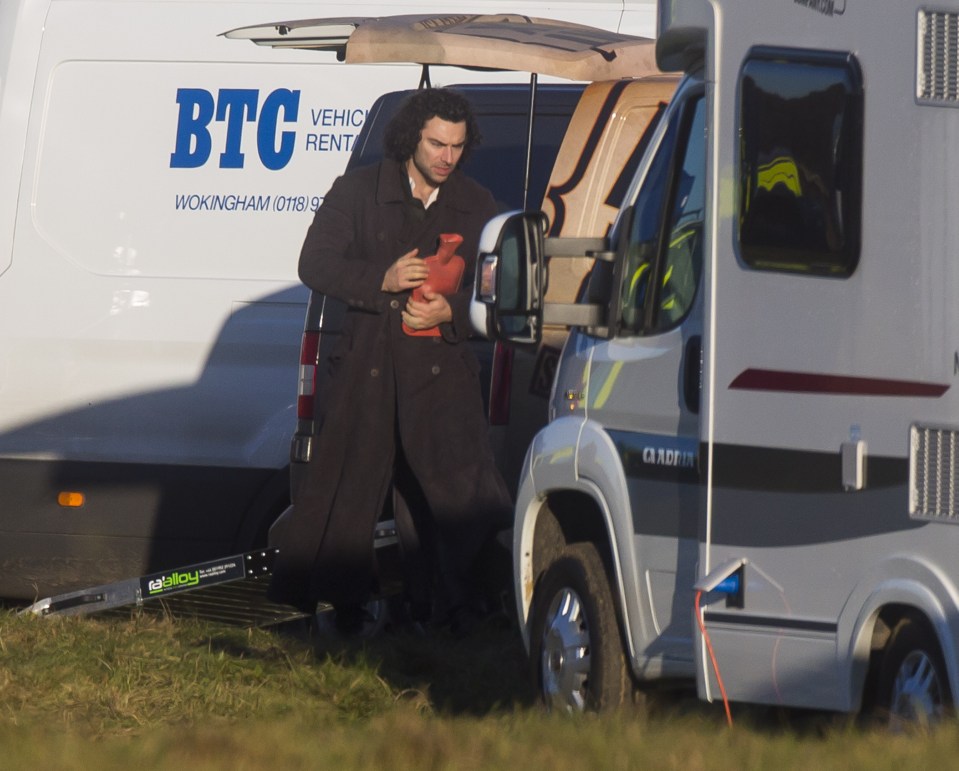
(712, 658)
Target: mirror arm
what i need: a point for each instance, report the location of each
(596, 248)
(574, 314)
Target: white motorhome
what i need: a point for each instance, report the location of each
(157, 181)
(750, 473)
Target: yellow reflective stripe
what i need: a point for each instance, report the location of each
(668, 303)
(637, 274)
(607, 388)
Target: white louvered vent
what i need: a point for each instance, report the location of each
(937, 71)
(934, 468)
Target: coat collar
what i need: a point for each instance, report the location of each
(392, 176)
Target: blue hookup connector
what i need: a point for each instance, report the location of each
(729, 585)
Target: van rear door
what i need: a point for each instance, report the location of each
(491, 41)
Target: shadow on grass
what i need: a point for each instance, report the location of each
(485, 672)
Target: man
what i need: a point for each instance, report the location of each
(397, 409)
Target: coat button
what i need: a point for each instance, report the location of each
(394, 304)
(374, 372)
(436, 369)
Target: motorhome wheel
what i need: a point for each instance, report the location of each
(913, 682)
(577, 654)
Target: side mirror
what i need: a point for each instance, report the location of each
(510, 278)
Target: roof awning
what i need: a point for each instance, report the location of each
(494, 42)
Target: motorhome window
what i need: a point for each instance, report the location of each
(663, 259)
(683, 262)
(800, 162)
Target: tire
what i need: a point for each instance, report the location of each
(576, 652)
(913, 687)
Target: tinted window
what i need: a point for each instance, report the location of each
(800, 162)
(499, 161)
(663, 260)
(683, 261)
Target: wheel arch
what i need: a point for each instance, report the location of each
(559, 519)
(901, 588)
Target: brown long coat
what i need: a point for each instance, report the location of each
(384, 387)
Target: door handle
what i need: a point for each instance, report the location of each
(693, 373)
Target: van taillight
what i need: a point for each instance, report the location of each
(499, 392)
(309, 357)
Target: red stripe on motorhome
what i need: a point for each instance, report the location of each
(841, 385)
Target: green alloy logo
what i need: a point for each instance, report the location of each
(179, 580)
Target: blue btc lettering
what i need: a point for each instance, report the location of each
(192, 137)
(235, 107)
(272, 157)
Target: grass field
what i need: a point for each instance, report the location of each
(151, 692)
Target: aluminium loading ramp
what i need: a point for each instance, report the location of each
(231, 590)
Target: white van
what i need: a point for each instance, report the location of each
(749, 478)
(156, 182)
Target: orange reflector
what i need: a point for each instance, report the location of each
(71, 500)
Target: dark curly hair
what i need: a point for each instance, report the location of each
(404, 129)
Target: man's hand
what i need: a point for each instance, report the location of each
(408, 272)
(426, 315)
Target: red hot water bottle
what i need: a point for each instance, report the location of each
(446, 273)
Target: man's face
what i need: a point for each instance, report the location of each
(439, 150)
